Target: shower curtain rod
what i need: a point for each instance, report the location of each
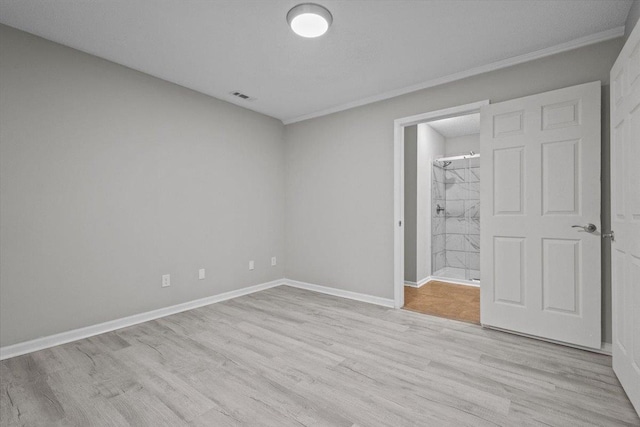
(465, 156)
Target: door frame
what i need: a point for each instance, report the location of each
(398, 184)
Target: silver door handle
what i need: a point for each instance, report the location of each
(589, 228)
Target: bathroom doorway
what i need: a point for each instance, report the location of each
(441, 209)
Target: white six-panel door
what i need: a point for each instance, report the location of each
(540, 169)
(625, 215)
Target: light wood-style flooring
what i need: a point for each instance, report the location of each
(289, 357)
(442, 299)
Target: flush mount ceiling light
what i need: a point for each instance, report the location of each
(309, 20)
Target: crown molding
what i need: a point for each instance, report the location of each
(538, 54)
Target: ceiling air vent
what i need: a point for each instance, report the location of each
(241, 95)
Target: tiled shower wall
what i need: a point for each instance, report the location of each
(456, 232)
(438, 256)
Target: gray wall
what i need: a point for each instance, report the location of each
(410, 202)
(110, 178)
(632, 18)
(422, 145)
(339, 185)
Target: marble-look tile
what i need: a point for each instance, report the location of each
(439, 190)
(455, 242)
(456, 259)
(457, 191)
(462, 224)
(438, 225)
(457, 164)
(473, 175)
(471, 242)
(473, 260)
(438, 174)
(472, 208)
(473, 191)
(438, 243)
(456, 225)
(474, 226)
(455, 176)
(439, 261)
(455, 208)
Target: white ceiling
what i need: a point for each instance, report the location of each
(374, 49)
(454, 127)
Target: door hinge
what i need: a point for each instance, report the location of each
(399, 223)
(611, 236)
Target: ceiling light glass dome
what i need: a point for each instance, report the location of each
(309, 20)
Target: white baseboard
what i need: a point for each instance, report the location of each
(442, 279)
(417, 284)
(25, 347)
(385, 302)
(455, 281)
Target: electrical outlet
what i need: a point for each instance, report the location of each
(273, 261)
(251, 265)
(201, 274)
(166, 280)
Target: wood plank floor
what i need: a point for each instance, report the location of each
(286, 356)
(442, 299)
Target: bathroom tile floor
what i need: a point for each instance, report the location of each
(442, 299)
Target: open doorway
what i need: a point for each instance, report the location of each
(441, 210)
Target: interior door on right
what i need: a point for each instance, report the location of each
(540, 215)
(625, 215)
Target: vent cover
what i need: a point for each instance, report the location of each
(241, 95)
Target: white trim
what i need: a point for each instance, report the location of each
(398, 215)
(42, 343)
(605, 347)
(419, 283)
(89, 331)
(385, 302)
(441, 279)
(455, 281)
(398, 185)
(542, 53)
(460, 110)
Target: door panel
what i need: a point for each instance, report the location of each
(540, 176)
(561, 177)
(561, 275)
(509, 275)
(509, 193)
(625, 217)
(561, 115)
